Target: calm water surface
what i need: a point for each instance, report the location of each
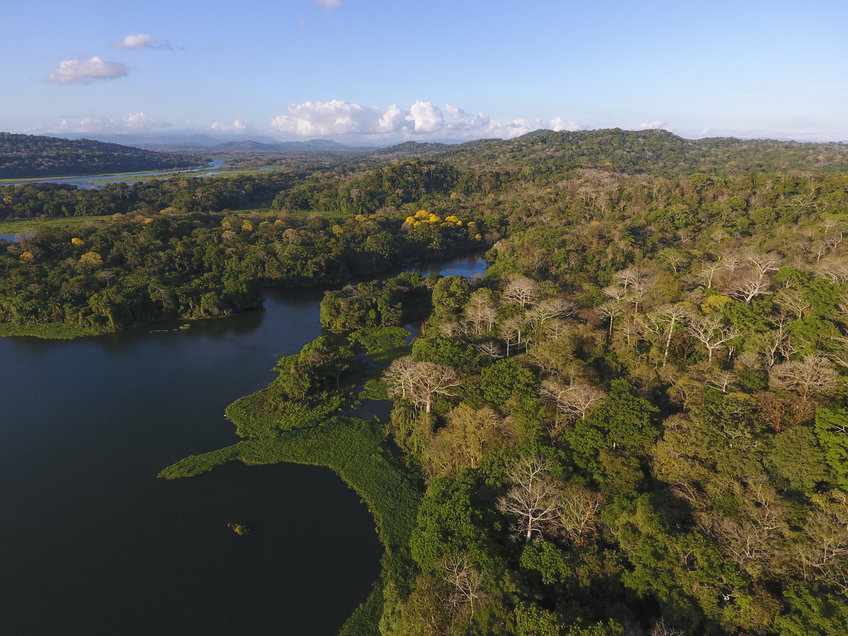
(92, 543)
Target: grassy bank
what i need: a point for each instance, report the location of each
(354, 449)
(49, 331)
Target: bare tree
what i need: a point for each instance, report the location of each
(550, 308)
(663, 322)
(573, 400)
(711, 332)
(532, 498)
(722, 380)
(611, 310)
(521, 290)
(748, 287)
(811, 377)
(510, 331)
(481, 312)
(420, 382)
(793, 301)
(490, 348)
(464, 577)
(555, 328)
(707, 272)
(399, 377)
(763, 263)
(578, 511)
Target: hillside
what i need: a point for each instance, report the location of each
(654, 152)
(37, 156)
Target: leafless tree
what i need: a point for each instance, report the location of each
(792, 300)
(748, 287)
(420, 382)
(707, 272)
(811, 377)
(465, 578)
(763, 263)
(611, 310)
(722, 380)
(833, 267)
(521, 290)
(532, 498)
(710, 331)
(661, 629)
(578, 511)
(663, 322)
(490, 348)
(573, 400)
(555, 328)
(481, 312)
(510, 331)
(550, 308)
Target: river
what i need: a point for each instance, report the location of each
(93, 543)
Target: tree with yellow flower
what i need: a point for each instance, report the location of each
(77, 241)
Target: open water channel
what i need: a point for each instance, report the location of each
(92, 543)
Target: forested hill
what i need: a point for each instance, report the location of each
(38, 156)
(654, 152)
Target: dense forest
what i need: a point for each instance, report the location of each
(634, 423)
(36, 156)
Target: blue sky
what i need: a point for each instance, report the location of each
(389, 70)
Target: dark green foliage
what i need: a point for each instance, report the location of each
(621, 422)
(459, 355)
(382, 344)
(396, 301)
(451, 520)
(504, 380)
(35, 156)
(550, 563)
(809, 613)
(832, 431)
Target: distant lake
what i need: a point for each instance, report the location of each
(93, 543)
(89, 182)
(15, 238)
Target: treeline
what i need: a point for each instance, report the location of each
(186, 194)
(38, 156)
(139, 269)
(653, 152)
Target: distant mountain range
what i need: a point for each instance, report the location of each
(637, 152)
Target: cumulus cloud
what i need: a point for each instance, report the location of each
(78, 71)
(422, 120)
(654, 125)
(317, 119)
(141, 41)
(329, 5)
(134, 122)
(238, 126)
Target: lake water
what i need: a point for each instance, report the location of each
(215, 167)
(92, 543)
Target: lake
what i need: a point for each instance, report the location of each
(93, 543)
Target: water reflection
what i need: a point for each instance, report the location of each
(93, 543)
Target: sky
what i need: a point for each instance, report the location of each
(384, 71)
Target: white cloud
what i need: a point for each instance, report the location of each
(141, 41)
(238, 126)
(391, 120)
(654, 125)
(320, 119)
(77, 71)
(329, 5)
(423, 120)
(426, 117)
(132, 123)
